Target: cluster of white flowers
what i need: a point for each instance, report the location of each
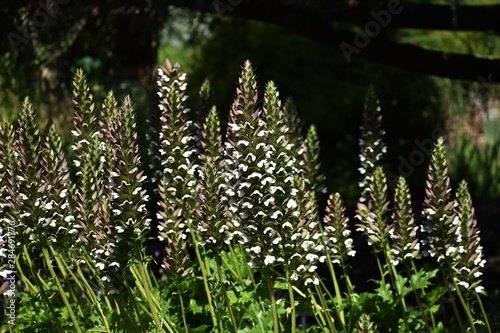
(372, 148)
(336, 231)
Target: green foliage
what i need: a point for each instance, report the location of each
(479, 163)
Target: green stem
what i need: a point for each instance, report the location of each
(24, 280)
(133, 301)
(204, 273)
(429, 306)
(183, 312)
(224, 293)
(48, 261)
(143, 282)
(466, 307)
(156, 305)
(292, 301)
(382, 275)
(68, 281)
(455, 310)
(393, 274)
(338, 296)
(276, 323)
(317, 311)
(454, 305)
(39, 283)
(350, 292)
(326, 310)
(90, 293)
(487, 323)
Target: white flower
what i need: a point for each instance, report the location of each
(291, 204)
(268, 230)
(256, 192)
(311, 257)
(100, 266)
(254, 175)
(267, 180)
(276, 241)
(243, 142)
(429, 211)
(269, 201)
(450, 250)
(314, 281)
(251, 156)
(260, 214)
(246, 205)
(256, 249)
(269, 260)
(245, 184)
(275, 215)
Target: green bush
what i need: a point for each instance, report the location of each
(239, 220)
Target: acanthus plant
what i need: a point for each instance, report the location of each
(447, 232)
(239, 214)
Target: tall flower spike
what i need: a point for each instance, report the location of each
(337, 233)
(85, 125)
(57, 193)
(212, 226)
(295, 137)
(373, 216)
(294, 211)
(248, 181)
(371, 144)
(439, 225)
(244, 164)
(312, 167)
(304, 237)
(204, 107)
(7, 171)
(86, 159)
(405, 245)
(28, 179)
(205, 102)
(89, 193)
(122, 240)
(108, 135)
(470, 261)
(178, 183)
(8, 193)
(292, 120)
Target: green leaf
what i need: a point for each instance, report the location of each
(199, 329)
(280, 285)
(385, 292)
(421, 279)
(401, 286)
(195, 307)
(439, 328)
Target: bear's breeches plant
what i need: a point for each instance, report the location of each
(235, 214)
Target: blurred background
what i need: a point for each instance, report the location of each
(434, 64)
